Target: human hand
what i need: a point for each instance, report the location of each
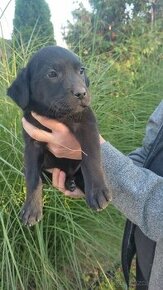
(61, 142)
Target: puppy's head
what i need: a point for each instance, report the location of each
(53, 84)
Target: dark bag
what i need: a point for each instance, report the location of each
(134, 241)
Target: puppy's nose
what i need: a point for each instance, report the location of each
(80, 94)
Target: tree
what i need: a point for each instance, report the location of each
(96, 30)
(111, 22)
(78, 35)
(32, 23)
(110, 13)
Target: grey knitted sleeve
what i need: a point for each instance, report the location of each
(154, 123)
(137, 192)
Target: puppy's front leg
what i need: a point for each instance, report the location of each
(32, 210)
(97, 194)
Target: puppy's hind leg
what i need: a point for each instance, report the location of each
(70, 184)
(72, 168)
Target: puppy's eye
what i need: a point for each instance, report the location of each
(52, 74)
(82, 69)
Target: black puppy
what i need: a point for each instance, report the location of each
(54, 84)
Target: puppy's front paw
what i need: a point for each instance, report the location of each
(98, 198)
(31, 212)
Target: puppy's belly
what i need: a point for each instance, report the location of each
(69, 166)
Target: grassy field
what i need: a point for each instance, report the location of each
(73, 247)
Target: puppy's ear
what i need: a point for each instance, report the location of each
(19, 90)
(87, 82)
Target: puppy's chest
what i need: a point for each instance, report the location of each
(73, 122)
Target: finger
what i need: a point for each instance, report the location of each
(55, 177)
(57, 150)
(49, 123)
(61, 181)
(37, 134)
(62, 151)
(77, 193)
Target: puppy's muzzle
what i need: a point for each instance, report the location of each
(80, 93)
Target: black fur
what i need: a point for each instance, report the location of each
(54, 84)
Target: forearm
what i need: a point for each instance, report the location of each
(136, 191)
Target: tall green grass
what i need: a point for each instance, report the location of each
(72, 245)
